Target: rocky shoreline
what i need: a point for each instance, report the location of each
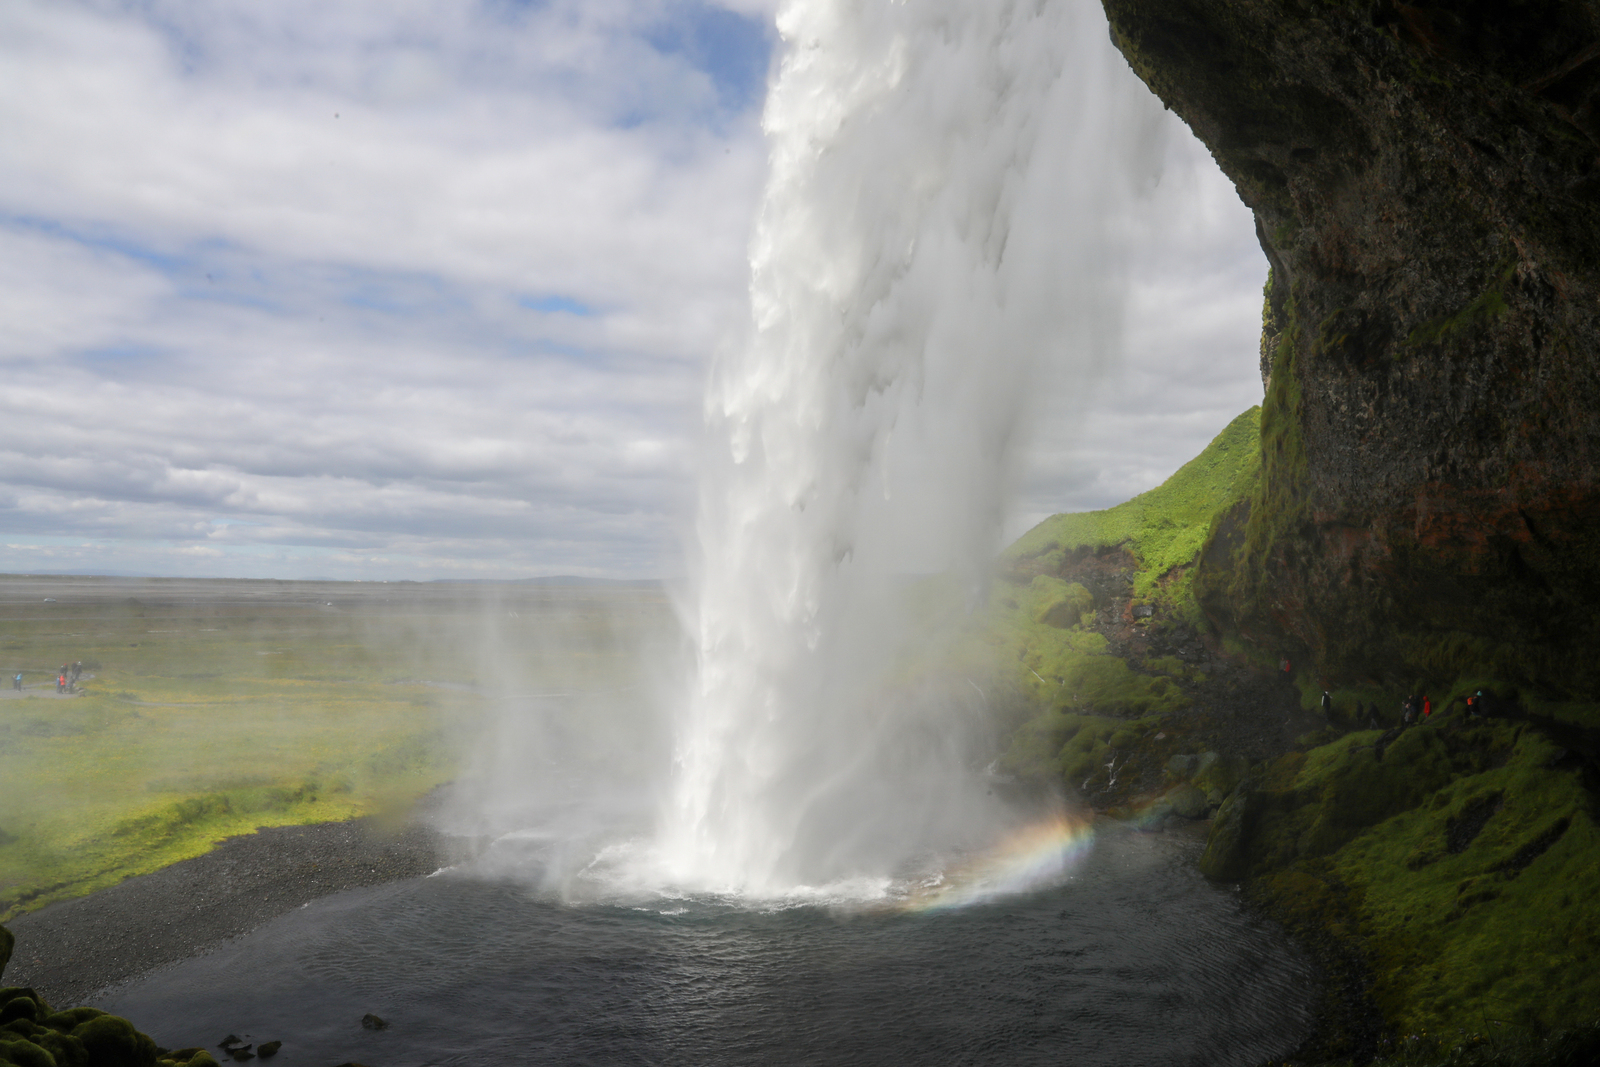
(71, 951)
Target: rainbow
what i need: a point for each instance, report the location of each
(1038, 855)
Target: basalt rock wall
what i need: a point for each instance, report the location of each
(1426, 185)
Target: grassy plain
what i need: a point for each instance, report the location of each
(211, 708)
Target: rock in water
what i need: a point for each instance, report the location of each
(1218, 778)
(1224, 857)
(370, 1021)
(268, 1048)
(1189, 802)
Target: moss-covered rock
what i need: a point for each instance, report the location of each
(199, 1057)
(113, 1042)
(1226, 856)
(34, 1035)
(1220, 777)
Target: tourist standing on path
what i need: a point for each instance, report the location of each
(16, 683)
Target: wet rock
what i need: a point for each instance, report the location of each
(1220, 776)
(1189, 802)
(268, 1048)
(1224, 859)
(1186, 766)
(370, 1021)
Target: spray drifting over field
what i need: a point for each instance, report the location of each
(941, 224)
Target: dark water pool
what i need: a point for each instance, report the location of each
(1134, 960)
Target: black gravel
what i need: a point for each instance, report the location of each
(73, 950)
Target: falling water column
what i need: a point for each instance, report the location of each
(939, 230)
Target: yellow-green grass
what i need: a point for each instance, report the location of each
(1040, 633)
(1069, 694)
(212, 709)
(1165, 528)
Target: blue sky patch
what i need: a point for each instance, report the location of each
(733, 49)
(556, 305)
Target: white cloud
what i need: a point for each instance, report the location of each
(428, 274)
(427, 287)
(1190, 345)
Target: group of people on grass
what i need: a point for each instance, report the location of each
(1413, 709)
(66, 678)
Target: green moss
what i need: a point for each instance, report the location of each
(1493, 924)
(1234, 582)
(1280, 495)
(1484, 308)
(1070, 668)
(1084, 751)
(1039, 626)
(1465, 861)
(1060, 604)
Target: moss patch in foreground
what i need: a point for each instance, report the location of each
(1459, 859)
(32, 1034)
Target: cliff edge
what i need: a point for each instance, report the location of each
(1426, 186)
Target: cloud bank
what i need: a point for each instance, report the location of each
(428, 289)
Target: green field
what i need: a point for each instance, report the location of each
(211, 708)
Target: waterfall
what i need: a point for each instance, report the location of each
(940, 237)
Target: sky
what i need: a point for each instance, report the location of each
(429, 288)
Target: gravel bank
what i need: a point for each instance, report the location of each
(72, 950)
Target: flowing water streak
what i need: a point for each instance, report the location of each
(941, 225)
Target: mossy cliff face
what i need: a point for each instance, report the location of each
(1426, 184)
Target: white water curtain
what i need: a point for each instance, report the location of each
(941, 233)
